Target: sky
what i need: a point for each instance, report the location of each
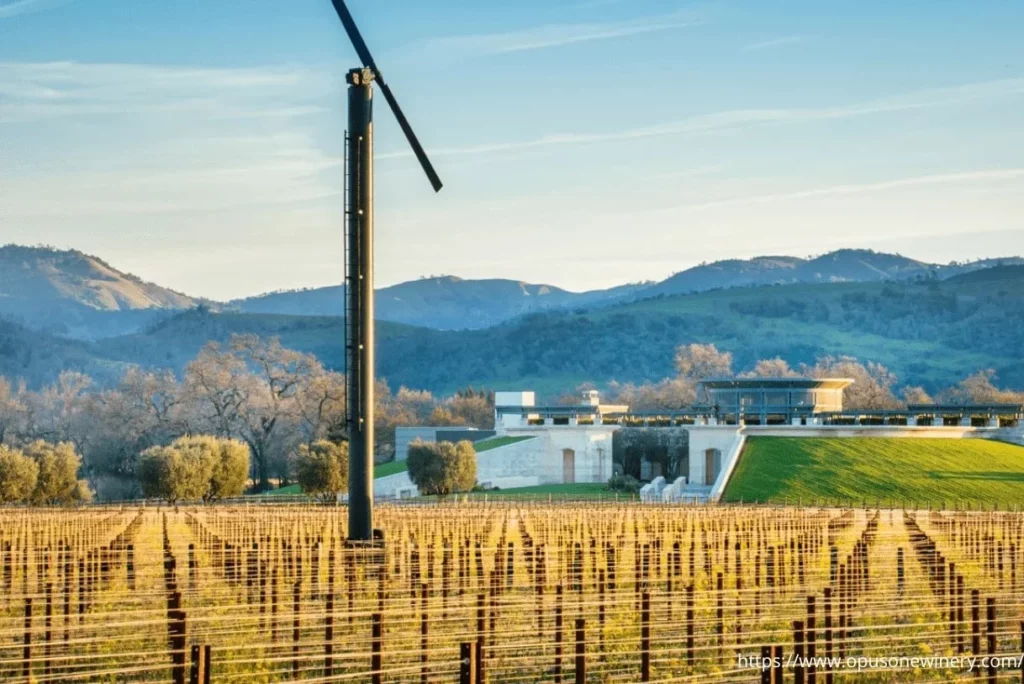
(583, 143)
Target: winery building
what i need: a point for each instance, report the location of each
(689, 452)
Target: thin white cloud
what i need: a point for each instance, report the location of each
(151, 140)
(748, 118)
(773, 43)
(14, 8)
(957, 178)
(556, 35)
(592, 4)
(43, 90)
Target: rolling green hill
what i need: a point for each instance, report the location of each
(895, 470)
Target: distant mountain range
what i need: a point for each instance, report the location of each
(841, 266)
(76, 295)
(929, 332)
(443, 303)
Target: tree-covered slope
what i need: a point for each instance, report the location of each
(929, 333)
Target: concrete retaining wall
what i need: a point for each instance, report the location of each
(395, 486)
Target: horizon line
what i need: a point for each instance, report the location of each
(378, 287)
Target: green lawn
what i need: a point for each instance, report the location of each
(933, 471)
(292, 489)
(389, 468)
(495, 442)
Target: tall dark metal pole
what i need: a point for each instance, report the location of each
(359, 291)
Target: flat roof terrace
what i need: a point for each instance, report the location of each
(777, 383)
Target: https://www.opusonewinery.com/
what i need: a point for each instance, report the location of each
(964, 663)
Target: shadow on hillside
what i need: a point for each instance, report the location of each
(973, 475)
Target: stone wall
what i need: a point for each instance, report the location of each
(588, 449)
(394, 486)
(520, 464)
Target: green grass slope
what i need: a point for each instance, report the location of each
(496, 442)
(390, 468)
(934, 471)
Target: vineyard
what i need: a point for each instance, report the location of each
(506, 591)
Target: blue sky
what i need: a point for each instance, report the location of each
(583, 143)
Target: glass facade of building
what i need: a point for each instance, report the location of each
(768, 401)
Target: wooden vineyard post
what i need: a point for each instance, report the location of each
(481, 621)
(296, 628)
(899, 571)
(645, 637)
(467, 663)
(975, 622)
(177, 630)
(376, 660)
(129, 565)
(423, 632)
(720, 611)
(273, 605)
(558, 634)
(539, 581)
(26, 655)
(581, 651)
(350, 580)
(601, 612)
(67, 595)
(960, 638)
(777, 665)
(689, 624)
(329, 637)
(812, 648)
(200, 672)
(990, 630)
(952, 605)
(495, 585)
(828, 635)
(841, 637)
(8, 578)
(48, 634)
(739, 596)
(81, 591)
(766, 665)
(798, 652)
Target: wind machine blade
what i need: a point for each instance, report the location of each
(367, 59)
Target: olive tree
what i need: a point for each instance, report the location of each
(442, 468)
(322, 469)
(83, 492)
(58, 471)
(175, 473)
(228, 460)
(18, 475)
(200, 467)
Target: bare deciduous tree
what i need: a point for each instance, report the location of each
(772, 368)
(872, 383)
